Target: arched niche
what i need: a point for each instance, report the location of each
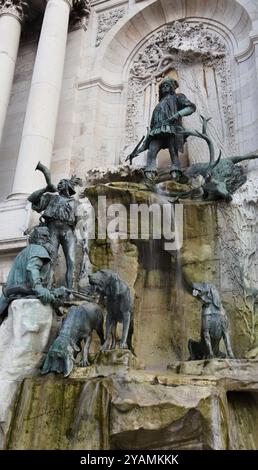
(228, 24)
(200, 60)
(227, 17)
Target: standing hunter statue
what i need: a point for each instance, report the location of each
(166, 129)
(217, 179)
(58, 208)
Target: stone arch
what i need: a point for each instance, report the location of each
(200, 60)
(228, 19)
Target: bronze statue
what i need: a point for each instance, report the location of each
(77, 326)
(217, 179)
(31, 273)
(214, 325)
(118, 304)
(166, 129)
(58, 208)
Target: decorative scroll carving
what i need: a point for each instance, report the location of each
(178, 47)
(179, 38)
(81, 9)
(18, 8)
(106, 21)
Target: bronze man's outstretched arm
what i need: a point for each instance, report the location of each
(35, 197)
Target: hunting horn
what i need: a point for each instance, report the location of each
(45, 172)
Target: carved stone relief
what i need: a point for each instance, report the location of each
(236, 248)
(80, 11)
(199, 59)
(18, 8)
(106, 21)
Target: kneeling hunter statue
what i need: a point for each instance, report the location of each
(30, 274)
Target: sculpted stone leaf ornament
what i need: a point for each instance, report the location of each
(81, 9)
(181, 37)
(106, 21)
(18, 8)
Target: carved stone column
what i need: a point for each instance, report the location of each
(12, 14)
(42, 109)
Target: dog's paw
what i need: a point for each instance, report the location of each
(84, 363)
(209, 356)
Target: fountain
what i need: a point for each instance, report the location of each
(150, 394)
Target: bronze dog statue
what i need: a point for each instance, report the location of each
(214, 325)
(77, 326)
(118, 304)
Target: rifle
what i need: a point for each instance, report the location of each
(134, 153)
(23, 291)
(80, 295)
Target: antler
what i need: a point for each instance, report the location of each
(77, 181)
(218, 160)
(203, 135)
(204, 124)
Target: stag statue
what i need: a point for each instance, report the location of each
(218, 179)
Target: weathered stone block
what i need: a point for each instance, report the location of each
(24, 336)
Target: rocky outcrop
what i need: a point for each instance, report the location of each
(24, 337)
(138, 409)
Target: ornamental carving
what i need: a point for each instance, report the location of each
(179, 47)
(179, 38)
(18, 8)
(81, 10)
(106, 21)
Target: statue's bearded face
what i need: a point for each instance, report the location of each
(43, 239)
(166, 88)
(65, 188)
(62, 187)
(43, 235)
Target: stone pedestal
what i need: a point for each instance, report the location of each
(140, 409)
(24, 336)
(228, 369)
(106, 363)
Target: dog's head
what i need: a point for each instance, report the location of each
(98, 280)
(206, 293)
(103, 281)
(60, 357)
